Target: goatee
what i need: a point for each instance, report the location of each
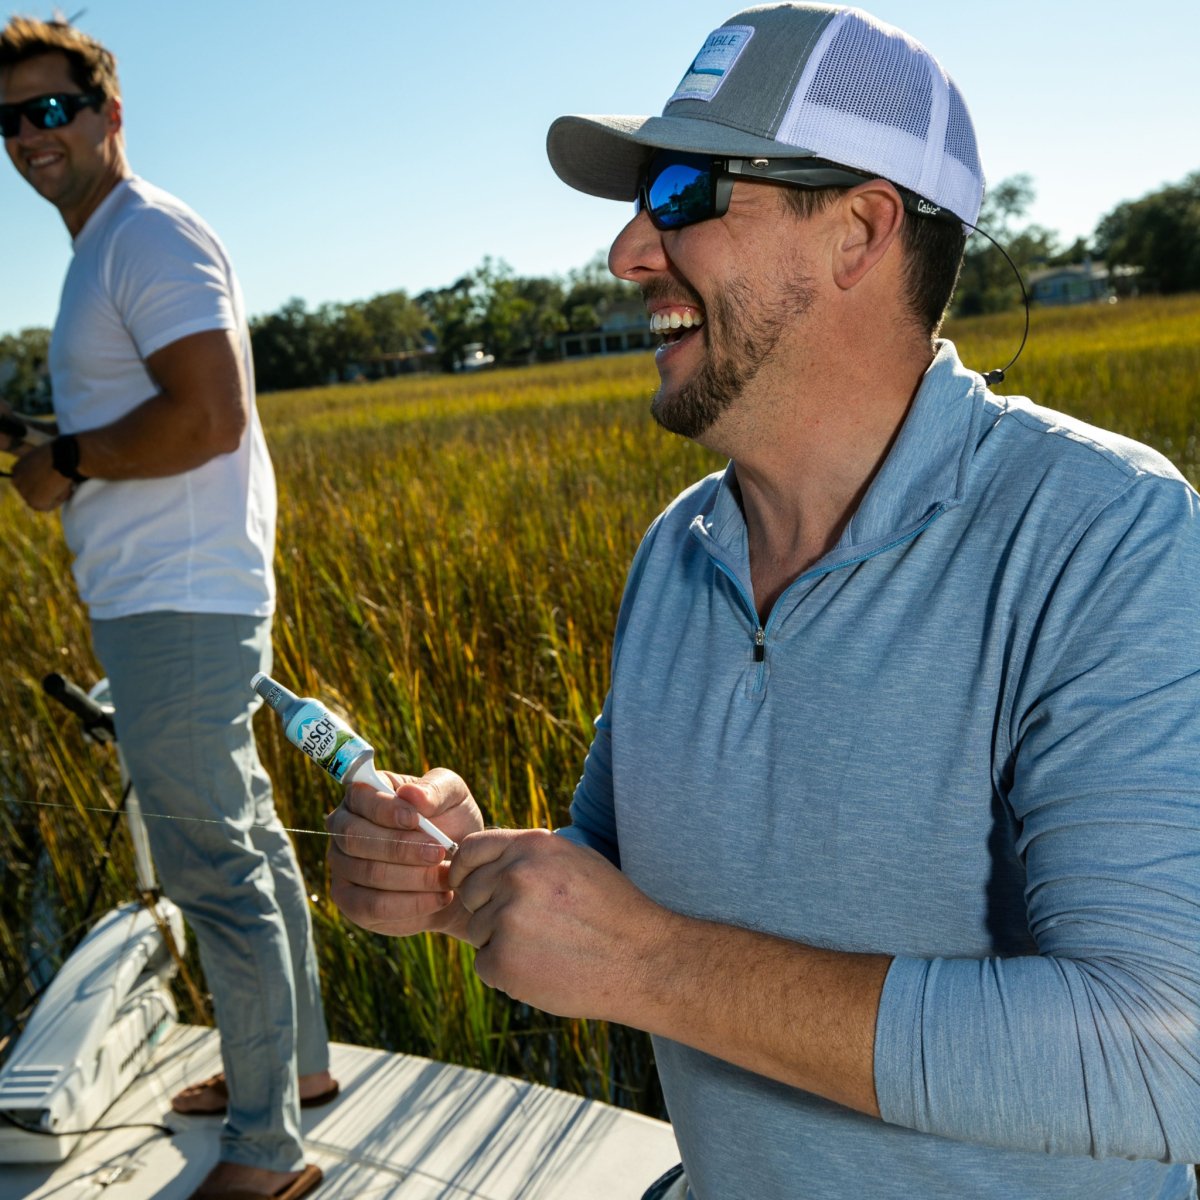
(741, 335)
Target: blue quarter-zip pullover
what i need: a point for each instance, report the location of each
(969, 738)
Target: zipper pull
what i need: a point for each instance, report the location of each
(760, 644)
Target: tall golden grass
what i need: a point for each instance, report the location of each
(450, 559)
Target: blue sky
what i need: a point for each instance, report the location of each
(345, 151)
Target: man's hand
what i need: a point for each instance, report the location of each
(556, 924)
(385, 874)
(36, 480)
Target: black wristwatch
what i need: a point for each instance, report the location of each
(64, 457)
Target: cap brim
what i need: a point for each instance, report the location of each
(604, 156)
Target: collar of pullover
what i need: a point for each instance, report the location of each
(923, 475)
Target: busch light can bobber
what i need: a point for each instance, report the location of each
(331, 743)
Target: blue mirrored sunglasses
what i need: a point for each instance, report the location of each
(677, 189)
(47, 112)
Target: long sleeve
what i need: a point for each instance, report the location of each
(1091, 1046)
(593, 819)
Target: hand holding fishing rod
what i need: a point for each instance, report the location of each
(23, 432)
(43, 475)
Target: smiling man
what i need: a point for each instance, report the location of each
(889, 830)
(167, 496)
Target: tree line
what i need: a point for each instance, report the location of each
(1157, 237)
(519, 320)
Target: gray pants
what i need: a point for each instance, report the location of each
(181, 686)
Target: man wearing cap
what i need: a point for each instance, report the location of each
(888, 831)
(167, 496)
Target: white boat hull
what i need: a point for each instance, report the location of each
(91, 1034)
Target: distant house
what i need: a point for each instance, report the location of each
(624, 327)
(1077, 283)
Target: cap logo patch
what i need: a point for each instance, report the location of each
(712, 65)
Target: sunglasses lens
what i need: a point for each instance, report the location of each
(53, 113)
(679, 190)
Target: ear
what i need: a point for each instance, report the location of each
(872, 214)
(114, 115)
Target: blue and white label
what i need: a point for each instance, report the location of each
(710, 68)
(326, 739)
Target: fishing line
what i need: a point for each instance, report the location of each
(362, 837)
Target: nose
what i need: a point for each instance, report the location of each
(637, 250)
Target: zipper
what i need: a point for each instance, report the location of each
(760, 633)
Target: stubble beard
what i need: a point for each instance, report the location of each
(741, 335)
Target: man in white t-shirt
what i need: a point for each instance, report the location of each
(167, 495)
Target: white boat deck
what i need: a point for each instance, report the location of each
(403, 1127)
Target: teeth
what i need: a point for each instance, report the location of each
(665, 322)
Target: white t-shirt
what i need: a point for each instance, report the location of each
(148, 271)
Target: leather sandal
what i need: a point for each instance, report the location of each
(214, 1086)
(304, 1183)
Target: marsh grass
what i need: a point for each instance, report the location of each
(450, 558)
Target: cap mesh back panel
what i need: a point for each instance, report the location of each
(872, 98)
(960, 136)
(875, 77)
(865, 100)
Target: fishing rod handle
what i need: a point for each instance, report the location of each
(96, 721)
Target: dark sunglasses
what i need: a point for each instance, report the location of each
(47, 112)
(677, 189)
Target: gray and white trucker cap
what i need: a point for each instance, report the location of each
(795, 81)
